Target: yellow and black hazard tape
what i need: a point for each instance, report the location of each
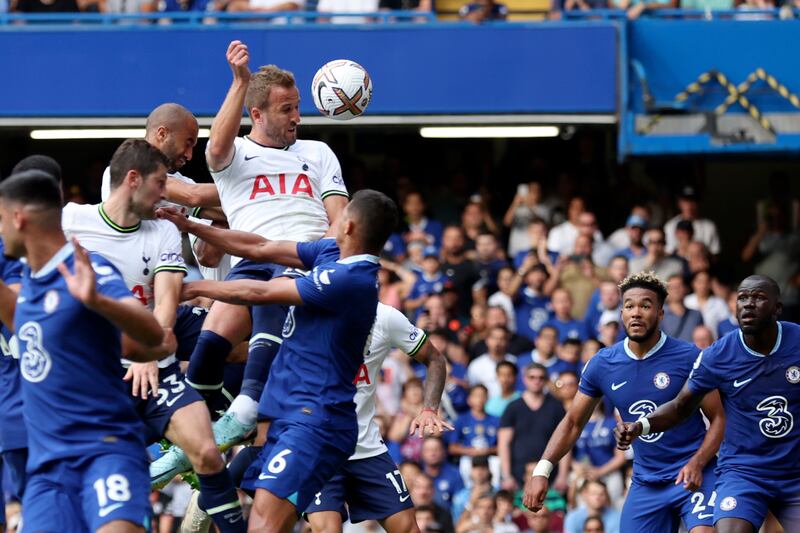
(735, 94)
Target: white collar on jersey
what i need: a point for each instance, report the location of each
(56, 260)
(360, 257)
(774, 348)
(653, 350)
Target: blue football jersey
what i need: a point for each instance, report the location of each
(636, 387)
(568, 329)
(532, 312)
(12, 426)
(596, 444)
(76, 403)
(761, 397)
(324, 340)
(474, 433)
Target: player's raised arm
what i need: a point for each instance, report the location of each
(560, 444)
(128, 314)
(238, 243)
(691, 475)
(226, 124)
(246, 291)
(665, 417)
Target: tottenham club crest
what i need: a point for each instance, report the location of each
(661, 380)
(793, 374)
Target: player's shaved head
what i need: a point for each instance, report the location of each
(377, 218)
(39, 162)
(758, 304)
(757, 281)
(171, 116)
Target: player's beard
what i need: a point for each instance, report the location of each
(145, 212)
(648, 334)
(281, 136)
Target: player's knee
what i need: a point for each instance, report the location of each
(205, 458)
(402, 522)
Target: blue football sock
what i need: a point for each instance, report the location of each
(219, 499)
(264, 345)
(207, 364)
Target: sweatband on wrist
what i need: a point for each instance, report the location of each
(543, 468)
(645, 426)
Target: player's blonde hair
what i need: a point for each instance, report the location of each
(645, 280)
(262, 82)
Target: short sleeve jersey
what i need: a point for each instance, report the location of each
(139, 252)
(636, 387)
(12, 427)
(325, 340)
(761, 397)
(76, 403)
(278, 192)
(392, 330)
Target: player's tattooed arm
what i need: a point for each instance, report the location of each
(428, 421)
(192, 194)
(226, 124)
(8, 303)
(665, 417)
(691, 475)
(560, 444)
(238, 243)
(246, 291)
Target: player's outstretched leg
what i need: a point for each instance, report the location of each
(225, 326)
(265, 341)
(190, 428)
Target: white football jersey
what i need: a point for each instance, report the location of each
(216, 274)
(391, 330)
(139, 252)
(278, 192)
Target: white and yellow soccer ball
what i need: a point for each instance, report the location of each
(342, 89)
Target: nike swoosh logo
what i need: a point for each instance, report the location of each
(175, 399)
(404, 498)
(249, 158)
(615, 386)
(738, 383)
(105, 511)
(706, 515)
(266, 476)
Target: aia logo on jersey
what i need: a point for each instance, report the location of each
(661, 380)
(281, 184)
(289, 324)
(793, 375)
(362, 376)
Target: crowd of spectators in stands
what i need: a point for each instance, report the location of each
(518, 306)
(473, 10)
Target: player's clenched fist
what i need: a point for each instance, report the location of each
(625, 432)
(535, 491)
(238, 56)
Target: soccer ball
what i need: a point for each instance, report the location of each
(341, 89)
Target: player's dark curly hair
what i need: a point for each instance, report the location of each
(645, 280)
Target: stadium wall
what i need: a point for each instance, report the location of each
(125, 70)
